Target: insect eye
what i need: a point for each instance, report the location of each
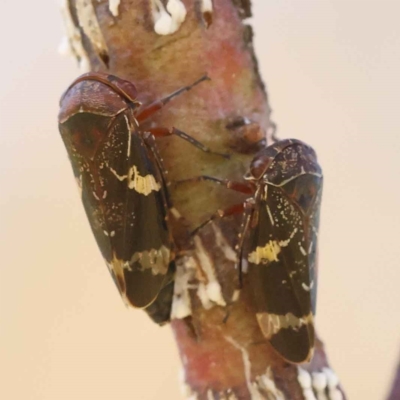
(302, 191)
(258, 167)
(87, 133)
(305, 200)
(126, 87)
(85, 141)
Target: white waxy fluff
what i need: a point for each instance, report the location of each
(320, 385)
(168, 20)
(72, 44)
(206, 6)
(305, 381)
(261, 384)
(185, 273)
(113, 6)
(212, 286)
(90, 25)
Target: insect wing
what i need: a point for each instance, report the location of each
(123, 196)
(160, 309)
(282, 257)
(306, 191)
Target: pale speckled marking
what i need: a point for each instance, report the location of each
(119, 177)
(269, 253)
(90, 25)
(79, 183)
(264, 382)
(213, 288)
(270, 324)
(128, 150)
(169, 20)
(156, 259)
(185, 272)
(72, 44)
(113, 6)
(307, 288)
(236, 295)
(141, 184)
(227, 394)
(267, 383)
(270, 216)
(246, 366)
(302, 250)
(284, 243)
(223, 245)
(175, 212)
(245, 266)
(203, 296)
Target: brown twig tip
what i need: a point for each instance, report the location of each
(161, 46)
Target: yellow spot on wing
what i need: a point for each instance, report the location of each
(155, 259)
(269, 253)
(265, 254)
(142, 184)
(270, 324)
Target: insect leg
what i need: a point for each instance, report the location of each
(150, 109)
(163, 132)
(246, 208)
(233, 210)
(241, 187)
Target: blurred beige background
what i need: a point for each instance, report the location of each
(332, 70)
